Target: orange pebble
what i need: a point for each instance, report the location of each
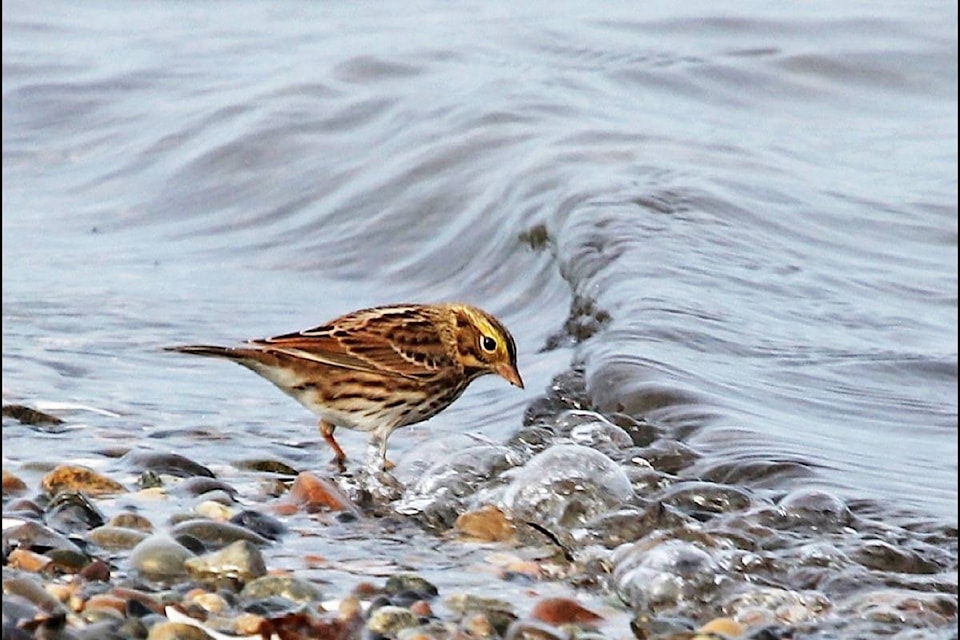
(558, 611)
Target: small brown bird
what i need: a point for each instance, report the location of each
(379, 369)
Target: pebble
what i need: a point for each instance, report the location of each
(408, 582)
(130, 520)
(388, 620)
(239, 561)
(171, 464)
(561, 611)
(27, 560)
(260, 523)
(160, 558)
(36, 536)
(29, 416)
(12, 485)
(285, 586)
(488, 524)
(214, 510)
(77, 478)
(312, 493)
(111, 538)
(216, 534)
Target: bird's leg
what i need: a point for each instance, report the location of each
(377, 453)
(339, 457)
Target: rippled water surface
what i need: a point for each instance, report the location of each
(741, 222)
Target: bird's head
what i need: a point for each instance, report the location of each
(484, 345)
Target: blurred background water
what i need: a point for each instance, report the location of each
(740, 221)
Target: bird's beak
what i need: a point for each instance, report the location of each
(509, 373)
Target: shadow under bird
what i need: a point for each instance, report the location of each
(379, 369)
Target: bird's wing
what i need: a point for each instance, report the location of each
(406, 341)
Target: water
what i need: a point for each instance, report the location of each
(741, 222)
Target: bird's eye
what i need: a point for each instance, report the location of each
(488, 344)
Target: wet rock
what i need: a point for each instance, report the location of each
(71, 512)
(311, 493)
(661, 575)
(904, 609)
(140, 603)
(445, 475)
(27, 560)
(35, 537)
(641, 433)
(477, 625)
(287, 586)
(406, 582)
(206, 600)
(12, 485)
(563, 611)
(488, 524)
(239, 562)
(67, 560)
(260, 523)
(532, 439)
(454, 467)
(129, 520)
(389, 620)
(817, 509)
(23, 509)
(214, 510)
(29, 416)
(170, 464)
(105, 601)
(216, 534)
(12, 632)
(421, 609)
(149, 480)
(18, 611)
(786, 605)
(590, 429)
(267, 466)
(647, 627)
(95, 571)
(629, 524)
(497, 612)
(78, 478)
(199, 485)
(32, 590)
(111, 538)
(669, 456)
(566, 486)
(704, 499)
(160, 558)
(883, 556)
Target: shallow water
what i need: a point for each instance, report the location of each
(742, 223)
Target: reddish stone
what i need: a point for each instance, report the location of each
(312, 493)
(96, 571)
(559, 611)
